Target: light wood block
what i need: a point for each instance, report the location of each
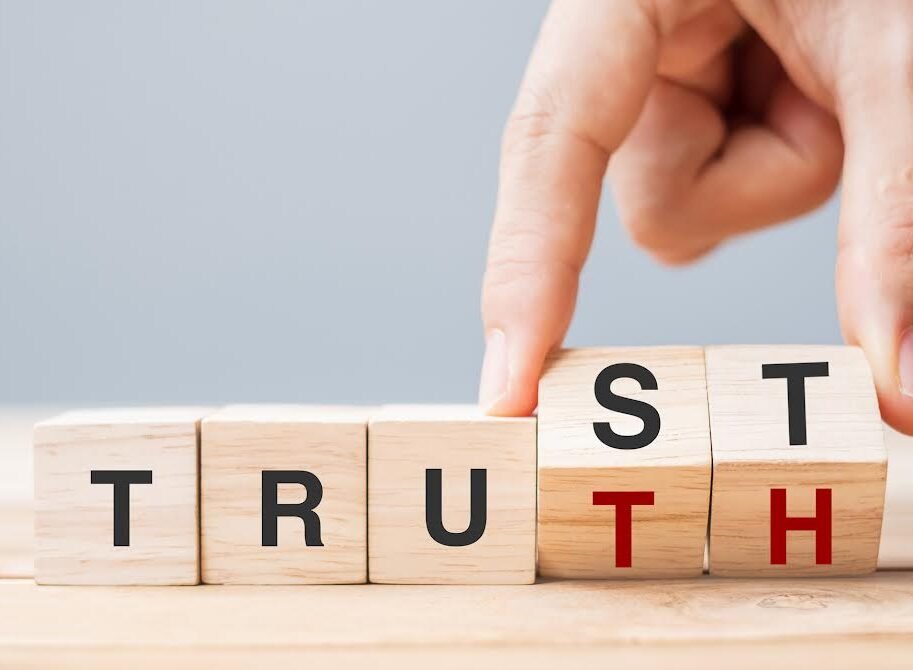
(327, 545)
(407, 445)
(581, 539)
(835, 456)
(76, 541)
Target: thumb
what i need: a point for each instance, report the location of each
(875, 257)
(586, 83)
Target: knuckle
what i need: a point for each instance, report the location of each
(533, 120)
(894, 240)
(646, 229)
(822, 175)
(682, 257)
(884, 252)
(505, 274)
(663, 235)
(527, 241)
(543, 114)
(517, 274)
(896, 246)
(820, 187)
(652, 229)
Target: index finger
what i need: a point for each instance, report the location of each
(585, 85)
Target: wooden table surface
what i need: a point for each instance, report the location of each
(708, 622)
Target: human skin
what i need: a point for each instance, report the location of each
(711, 118)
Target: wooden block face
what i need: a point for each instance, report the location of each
(75, 519)
(452, 454)
(828, 454)
(663, 475)
(294, 445)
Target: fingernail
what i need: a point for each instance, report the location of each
(493, 384)
(906, 362)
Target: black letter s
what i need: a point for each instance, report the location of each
(644, 411)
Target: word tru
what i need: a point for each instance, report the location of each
(306, 510)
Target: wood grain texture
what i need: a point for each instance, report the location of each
(752, 454)
(238, 444)
(834, 654)
(722, 621)
(577, 539)
(74, 518)
(403, 442)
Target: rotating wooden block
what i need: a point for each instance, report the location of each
(624, 463)
(799, 462)
(451, 496)
(284, 495)
(116, 497)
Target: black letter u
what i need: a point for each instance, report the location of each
(478, 509)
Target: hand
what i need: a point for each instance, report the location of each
(720, 117)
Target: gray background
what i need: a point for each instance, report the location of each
(289, 201)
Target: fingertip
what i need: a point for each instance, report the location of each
(526, 309)
(512, 404)
(897, 411)
(895, 396)
(495, 375)
(509, 382)
(891, 361)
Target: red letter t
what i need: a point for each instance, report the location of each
(623, 501)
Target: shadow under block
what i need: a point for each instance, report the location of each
(784, 450)
(302, 522)
(664, 476)
(469, 479)
(91, 525)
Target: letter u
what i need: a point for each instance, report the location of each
(478, 510)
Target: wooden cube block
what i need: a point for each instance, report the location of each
(451, 497)
(799, 462)
(116, 497)
(624, 463)
(284, 495)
